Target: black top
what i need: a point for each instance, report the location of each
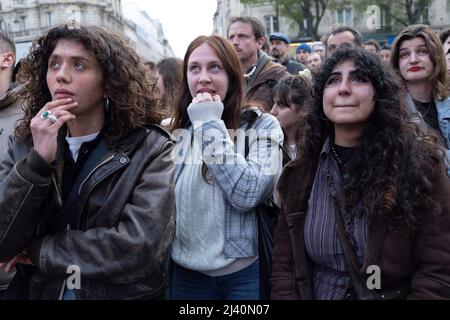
(70, 174)
(72, 168)
(342, 154)
(430, 116)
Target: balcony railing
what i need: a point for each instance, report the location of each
(31, 33)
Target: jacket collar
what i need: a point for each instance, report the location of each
(263, 60)
(124, 144)
(10, 96)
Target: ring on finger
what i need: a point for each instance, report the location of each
(52, 118)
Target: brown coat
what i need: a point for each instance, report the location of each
(423, 254)
(259, 86)
(9, 113)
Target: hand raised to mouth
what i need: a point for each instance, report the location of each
(205, 97)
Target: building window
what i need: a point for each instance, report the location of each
(19, 2)
(49, 19)
(23, 25)
(271, 24)
(386, 22)
(345, 17)
(424, 18)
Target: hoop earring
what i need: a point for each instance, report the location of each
(106, 105)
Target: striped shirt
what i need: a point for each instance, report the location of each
(331, 278)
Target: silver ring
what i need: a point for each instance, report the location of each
(52, 118)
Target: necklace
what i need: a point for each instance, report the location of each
(421, 106)
(428, 108)
(252, 71)
(335, 154)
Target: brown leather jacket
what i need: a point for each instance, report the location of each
(423, 254)
(259, 85)
(125, 210)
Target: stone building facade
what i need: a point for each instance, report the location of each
(437, 15)
(25, 20)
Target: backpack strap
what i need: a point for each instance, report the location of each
(251, 118)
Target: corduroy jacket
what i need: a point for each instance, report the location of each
(422, 255)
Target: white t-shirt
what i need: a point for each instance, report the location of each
(76, 142)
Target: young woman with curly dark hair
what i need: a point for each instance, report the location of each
(362, 162)
(86, 182)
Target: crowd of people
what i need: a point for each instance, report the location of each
(150, 178)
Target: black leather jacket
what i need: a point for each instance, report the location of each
(125, 210)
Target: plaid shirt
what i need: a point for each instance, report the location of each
(245, 182)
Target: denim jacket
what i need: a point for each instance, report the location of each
(443, 110)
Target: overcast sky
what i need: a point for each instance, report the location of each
(182, 20)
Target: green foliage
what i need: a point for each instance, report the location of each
(300, 11)
(402, 13)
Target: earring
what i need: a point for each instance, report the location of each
(106, 105)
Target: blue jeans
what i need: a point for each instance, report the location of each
(193, 285)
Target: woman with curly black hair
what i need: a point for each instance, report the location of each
(86, 197)
(366, 205)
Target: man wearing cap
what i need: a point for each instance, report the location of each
(302, 53)
(261, 74)
(279, 45)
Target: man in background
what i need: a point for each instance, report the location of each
(279, 46)
(10, 112)
(261, 74)
(302, 53)
(314, 62)
(342, 35)
(319, 48)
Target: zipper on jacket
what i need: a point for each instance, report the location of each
(63, 284)
(80, 217)
(58, 192)
(61, 290)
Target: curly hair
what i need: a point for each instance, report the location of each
(391, 170)
(133, 102)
